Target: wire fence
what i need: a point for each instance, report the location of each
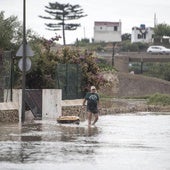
(69, 80)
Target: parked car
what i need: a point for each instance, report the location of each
(156, 49)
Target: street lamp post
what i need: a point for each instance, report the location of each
(24, 64)
(24, 61)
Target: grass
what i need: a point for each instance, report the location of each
(155, 99)
(159, 99)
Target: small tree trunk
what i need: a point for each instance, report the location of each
(64, 40)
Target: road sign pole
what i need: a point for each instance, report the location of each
(24, 62)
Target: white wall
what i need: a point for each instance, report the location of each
(136, 31)
(104, 31)
(51, 103)
(107, 37)
(15, 104)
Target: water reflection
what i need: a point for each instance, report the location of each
(117, 142)
(47, 141)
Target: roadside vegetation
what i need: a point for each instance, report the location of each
(159, 99)
(48, 53)
(155, 99)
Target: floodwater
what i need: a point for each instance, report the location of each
(138, 141)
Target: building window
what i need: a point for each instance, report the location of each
(139, 36)
(144, 36)
(115, 28)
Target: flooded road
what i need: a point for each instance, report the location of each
(122, 142)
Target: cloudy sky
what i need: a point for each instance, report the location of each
(130, 12)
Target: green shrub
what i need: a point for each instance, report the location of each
(159, 99)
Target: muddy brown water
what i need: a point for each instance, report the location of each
(138, 141)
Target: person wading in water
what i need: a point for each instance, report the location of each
(92, 99)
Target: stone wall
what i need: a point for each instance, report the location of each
(11, 116)
(76, 110)
(115, 106)
(108, 107)
(9, 112)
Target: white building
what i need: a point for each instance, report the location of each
(142, 34)
(107, 31)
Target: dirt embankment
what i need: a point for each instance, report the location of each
(123, 85)
(114, 106)
(130, 85)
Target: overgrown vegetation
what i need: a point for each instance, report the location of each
(43, 74)
(159, 99)
(127, 46)
(157, 69)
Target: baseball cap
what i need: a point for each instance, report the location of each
(93, 88)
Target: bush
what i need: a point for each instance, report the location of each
(159, 99)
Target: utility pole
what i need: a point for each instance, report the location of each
(113, 53)
(24, 62)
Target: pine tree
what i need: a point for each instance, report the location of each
(63, 13)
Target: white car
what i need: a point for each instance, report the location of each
(156, 49)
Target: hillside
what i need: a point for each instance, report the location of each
(131, 85)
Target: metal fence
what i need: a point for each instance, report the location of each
(33, 99)
(69, 80)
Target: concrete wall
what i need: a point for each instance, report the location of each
(105, 31)
(11, 111)
(138, 31)
(51, 105)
